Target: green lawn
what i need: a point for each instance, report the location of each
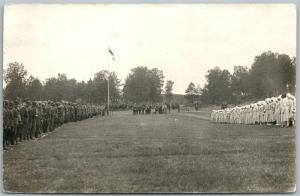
(154, 153)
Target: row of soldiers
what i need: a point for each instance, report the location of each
(30, 119)
(141, 109)
(279, 110)
(157, 108)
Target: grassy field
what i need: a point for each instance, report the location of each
(153, 153)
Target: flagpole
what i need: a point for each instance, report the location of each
(108, 84)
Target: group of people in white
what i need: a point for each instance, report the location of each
(279, 111)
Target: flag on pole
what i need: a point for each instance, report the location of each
(111, 53)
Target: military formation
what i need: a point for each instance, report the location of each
(24, 120)
(155, 108)
(279, 111)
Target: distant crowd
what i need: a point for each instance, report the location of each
(279, 111)
(157, 108)
(24, 120)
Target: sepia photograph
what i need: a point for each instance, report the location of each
(149, 98)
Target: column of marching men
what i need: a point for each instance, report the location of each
(279, 111)
(30, 119)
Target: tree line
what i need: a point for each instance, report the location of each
(271, 74)
(141, 85)
(18, 85)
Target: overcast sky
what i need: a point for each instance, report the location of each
(182, 40)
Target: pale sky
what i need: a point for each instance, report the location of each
(184, 40)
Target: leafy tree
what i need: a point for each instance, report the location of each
(270, 74)
(15, 79)
(199, 89)
(168, 90)
(89, 89)
(240, 83)
(60, 87)
(292, 74)
(218, 87)
(34, 89)
(264, 65)
(114, 87)
(143, 85)
(288, 70)
(71, 92)
(81, 93)
(156, 83)
(51, 91)
(191, 93)
(100, 84)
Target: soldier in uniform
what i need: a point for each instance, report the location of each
(34, 119)
(148, 109)
(178, 107)
(16, 118)
(196, 106)
(61, 114)
(134, 109)
(55, 115)
(38, 120)
(25, 121)
(169, 107)
(6, 123)
(52, 114)
(46, 115)
(31, 125)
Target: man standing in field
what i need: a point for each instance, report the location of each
(284, 111)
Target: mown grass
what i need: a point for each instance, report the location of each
(153, 153)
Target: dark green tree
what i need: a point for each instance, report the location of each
(218, 87)
(191, 93)
(169, 91)
(15, 79)
(34, 89)
(240, 83)
(270, 74)
(100, 85)
(143, 85)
